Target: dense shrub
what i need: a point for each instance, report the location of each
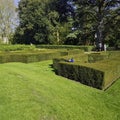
(98, 56)
(113, 54)
(81, 73)
(34, 56)
(85, 48)
(27, 57)
(81, 57)
(100, 74)
(5, 47)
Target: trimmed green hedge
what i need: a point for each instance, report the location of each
(85, 48)
(98, 56)
(100, 74)
(81, 73)
(27, 57)
(5, 47)
(34, 56)
(81, 57)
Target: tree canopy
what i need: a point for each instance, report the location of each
(68, 22)
(41, 22)
(95, 18)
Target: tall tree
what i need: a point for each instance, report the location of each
(34, 25)
(42, 22)
(112, 30)
(95, 14)
(7, 19)
(65, 9)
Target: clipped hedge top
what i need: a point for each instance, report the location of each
(85, 48)
(99, 74)
(29, 52)
(6, 47)
(103, 65)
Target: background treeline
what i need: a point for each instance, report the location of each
(73, 22)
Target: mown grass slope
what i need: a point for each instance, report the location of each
(33, 92)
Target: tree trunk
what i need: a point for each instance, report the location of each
(58, 37)
(99, 31)
(99, 40)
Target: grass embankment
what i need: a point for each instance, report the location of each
(33, 92)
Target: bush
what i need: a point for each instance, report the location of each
(81, 73)
(27, 57)
(97, 75)
(85, 48)
(33, 56)
(98, 56)
(81, 57)
(100, 74)
(4, 47)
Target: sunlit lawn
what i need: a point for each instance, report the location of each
(33, 92)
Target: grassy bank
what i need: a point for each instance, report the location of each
(33, 92)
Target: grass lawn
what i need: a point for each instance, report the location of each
(33, 92)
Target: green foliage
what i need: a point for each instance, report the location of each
(113, 29)
(64, 8)
(35, 26)
(82, 73)
(100, 74)
(30, 55)
(96, 57)
(4, 47)
(71, 39)
(27, 57)
(42, 22)
(79, 57)
(68, 22)
(98, 17)
(85, 48)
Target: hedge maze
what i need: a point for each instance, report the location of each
(27, 57)
(34, 55)
(98, 70)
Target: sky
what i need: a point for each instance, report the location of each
(16, 2)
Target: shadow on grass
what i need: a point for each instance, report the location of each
(51, 66)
